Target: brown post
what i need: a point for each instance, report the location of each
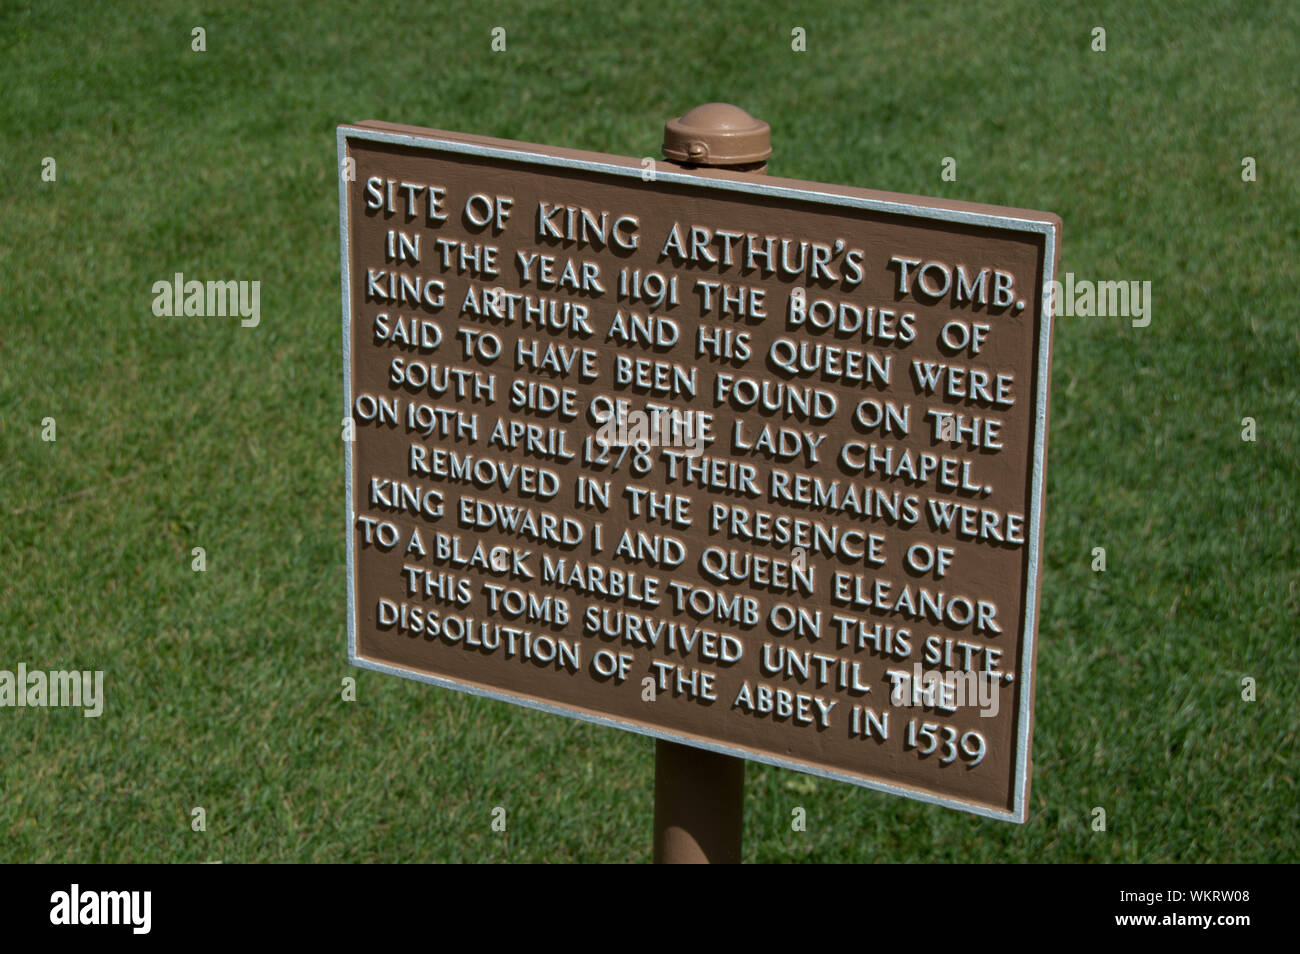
(699, 805)
(700, 795)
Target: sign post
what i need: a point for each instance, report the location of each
(749, 465)
(700, 795)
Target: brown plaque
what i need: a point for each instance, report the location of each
(743, 462)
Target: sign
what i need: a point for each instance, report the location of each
(747, 463)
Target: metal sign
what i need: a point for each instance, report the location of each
(747, 463)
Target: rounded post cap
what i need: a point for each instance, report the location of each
(717, 134)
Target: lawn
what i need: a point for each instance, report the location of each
(224, 687)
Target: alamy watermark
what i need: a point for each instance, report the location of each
(1085, 298)
(78, 907)
(656, 426)
(195, 299)
(946, 691)
(39, 688)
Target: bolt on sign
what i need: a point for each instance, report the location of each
(742, 462)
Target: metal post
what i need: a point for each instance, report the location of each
(700, 795)
(699, 805)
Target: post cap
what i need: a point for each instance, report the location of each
(717, 134)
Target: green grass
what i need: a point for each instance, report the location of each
(224, 686)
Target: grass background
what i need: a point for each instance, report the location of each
(224, 686)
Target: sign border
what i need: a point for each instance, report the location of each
(850, 198)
